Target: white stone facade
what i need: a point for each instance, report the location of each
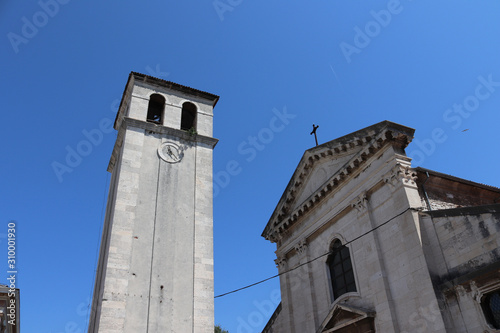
(155, 271)
(415, 267)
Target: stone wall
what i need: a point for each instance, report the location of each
(155, 267)
(463, 254)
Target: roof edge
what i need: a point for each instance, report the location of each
(365, 136)
(365, 131)
(175, 86)
(457, 179)
(135, 76)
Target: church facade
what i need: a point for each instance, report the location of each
(367, 243)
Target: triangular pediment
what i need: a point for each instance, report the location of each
(324, 168)
(343, 316)
(321, 172)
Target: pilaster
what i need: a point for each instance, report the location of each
(307, 286)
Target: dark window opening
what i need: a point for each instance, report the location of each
(155, 109)
(341, 271)
(491, 308)
(188, 119)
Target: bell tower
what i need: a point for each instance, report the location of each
(155, 271)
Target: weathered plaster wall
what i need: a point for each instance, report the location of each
(446, 192)
(462, 246)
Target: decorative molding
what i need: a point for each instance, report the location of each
(391, 178)
(282, 236)
(401, 174)
(360, 203)
(273, 237)
(478, 292)
(157, 129)
(301, 247)
(343, 317)
(371, 140)
(280, 262)
(460, 290)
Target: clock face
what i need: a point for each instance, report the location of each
(170, 152)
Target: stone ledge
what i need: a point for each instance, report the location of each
(159, 129)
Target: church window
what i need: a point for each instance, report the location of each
(155, 109)
(188, 118)
(491, 308)
(341, 271)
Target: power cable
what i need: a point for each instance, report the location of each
(314, 259)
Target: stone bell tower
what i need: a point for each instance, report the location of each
(155, 271)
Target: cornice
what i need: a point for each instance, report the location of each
(371, 142)
(139, 77)
(401, 172)
(157, 129)
(355, 200)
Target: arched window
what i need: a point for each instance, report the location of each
(155, 109)
(188, 119)
(341, 272)
(491, 308)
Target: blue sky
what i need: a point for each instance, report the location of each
(278, 66)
